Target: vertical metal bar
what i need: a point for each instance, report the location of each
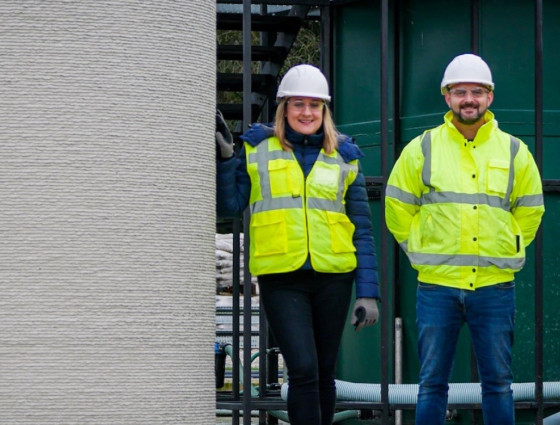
(475, 48)
(383, 273)
(235, 318)
(394, 248)
(473, 378)
(263, 359)
(326, 46)
(475, 26)
(247, 378)
(247, 316)
(265, 40)
(538, 240)
(247, 118)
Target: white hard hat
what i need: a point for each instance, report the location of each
(304, 80)
(467, 68)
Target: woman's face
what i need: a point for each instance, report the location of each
(305, 114)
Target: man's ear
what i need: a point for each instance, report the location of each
(490, 98)
(447, 98)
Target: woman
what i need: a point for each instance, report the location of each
(310, 234)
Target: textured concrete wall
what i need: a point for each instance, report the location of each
(107, 212)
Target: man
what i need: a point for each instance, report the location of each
(463, 201)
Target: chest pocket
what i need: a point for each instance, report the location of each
(284, 179)
(323, 181)
(498, 176)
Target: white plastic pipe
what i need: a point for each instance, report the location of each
(552, 420)
(459, 393)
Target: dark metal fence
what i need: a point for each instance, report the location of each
(268, 397)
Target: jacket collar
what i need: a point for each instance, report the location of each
(483, 132)
(296, 138)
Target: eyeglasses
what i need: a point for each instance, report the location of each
(300, 105)
(475, 92)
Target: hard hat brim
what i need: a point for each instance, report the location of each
(485, 83)
(284, 94)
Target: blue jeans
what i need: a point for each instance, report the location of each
(489, 313)
(306, 312)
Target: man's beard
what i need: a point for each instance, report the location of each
(471, 120)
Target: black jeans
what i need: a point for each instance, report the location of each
(306, 312)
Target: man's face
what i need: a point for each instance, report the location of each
(469, 102)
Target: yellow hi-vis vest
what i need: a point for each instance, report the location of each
(293, 217)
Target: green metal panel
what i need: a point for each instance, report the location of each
(359, 359)
(356, 83)
(431, 33)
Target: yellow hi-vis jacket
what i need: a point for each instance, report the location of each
(464, 211)
(293, 217)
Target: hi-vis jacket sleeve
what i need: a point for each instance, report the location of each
(404, 189)
(527, 195)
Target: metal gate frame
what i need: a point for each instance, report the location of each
(246, 402)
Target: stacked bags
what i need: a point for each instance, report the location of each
(224, 263)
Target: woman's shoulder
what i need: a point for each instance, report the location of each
(348, 149)
(257, 132)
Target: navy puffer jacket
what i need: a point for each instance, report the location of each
(234, 186)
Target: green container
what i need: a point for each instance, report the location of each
(430, 34)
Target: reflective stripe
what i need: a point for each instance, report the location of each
(514, 148)
(418, 258)
(460, 198)
(325, 205)
(261, 158)
(465, 260)
(330, 159)
(270, 204)
(401, 195)
(427, 152)
(456, 198)
(465, 198)
(529, 201)
(449, 197)
(288, 202)
(259, 154)
(345, 169)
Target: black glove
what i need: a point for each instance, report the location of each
(365, 313)
(224, 139)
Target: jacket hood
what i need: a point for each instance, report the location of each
(348, 149)
(257, 133)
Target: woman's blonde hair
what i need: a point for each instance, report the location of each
(330, 142)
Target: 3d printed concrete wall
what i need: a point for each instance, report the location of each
(107, 212)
